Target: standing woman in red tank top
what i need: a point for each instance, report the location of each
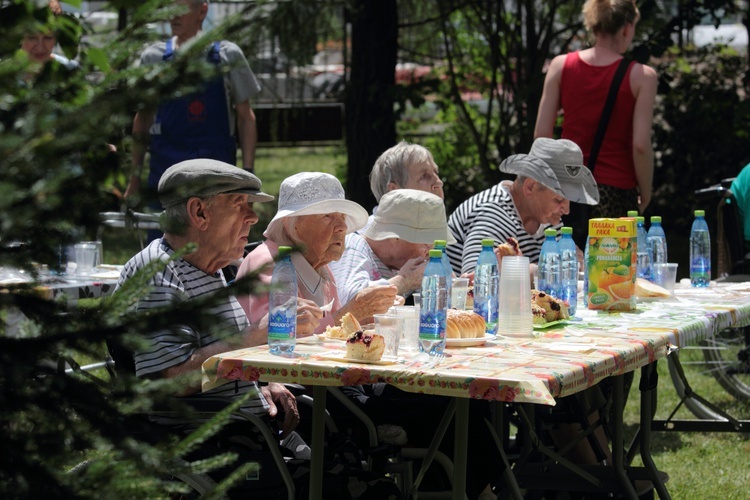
(578, 83)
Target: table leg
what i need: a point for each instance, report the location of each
(618, 440)
(460, 448)
(649, 380)
(318, 442)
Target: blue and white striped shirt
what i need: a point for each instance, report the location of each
(180, 281)
(489, 214)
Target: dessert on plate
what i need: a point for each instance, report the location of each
(554, 309)
(349, 325)
(367, 346)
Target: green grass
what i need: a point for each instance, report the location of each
(700, 465)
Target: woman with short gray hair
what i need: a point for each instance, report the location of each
(405, 165)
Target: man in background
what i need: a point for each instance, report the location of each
(206, 124)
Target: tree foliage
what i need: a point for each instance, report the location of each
(58, 176)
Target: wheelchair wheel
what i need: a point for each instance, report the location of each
(688, 357)
(727, 357)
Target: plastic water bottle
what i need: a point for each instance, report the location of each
(700, 251)
(487, 286)
(569, 275)
(282, 305)
(549, 264)
(447, 269)
(643, 264)
(433, 312)
(657, 242)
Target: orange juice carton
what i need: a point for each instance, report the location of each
(611, 264)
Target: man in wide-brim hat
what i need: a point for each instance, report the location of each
(547, 180)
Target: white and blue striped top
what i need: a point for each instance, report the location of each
(489, 214)
(180, 281)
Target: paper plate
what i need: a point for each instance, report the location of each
(468, 342)
(341, 356)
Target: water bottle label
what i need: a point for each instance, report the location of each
(430, 326)
(281, 325)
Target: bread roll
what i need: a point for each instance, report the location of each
(367, 346)
(464, 325)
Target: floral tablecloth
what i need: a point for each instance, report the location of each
(72, 288)
(557, 362)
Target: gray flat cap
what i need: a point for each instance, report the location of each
(203, 177)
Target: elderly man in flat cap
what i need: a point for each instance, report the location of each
(210, 204)
(547, 180)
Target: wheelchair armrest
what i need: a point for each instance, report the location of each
(716, 189)
(296, 389)
(206, 403)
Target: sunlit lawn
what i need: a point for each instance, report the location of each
(700, 465)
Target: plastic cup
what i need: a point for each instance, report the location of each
(514, 311)
(87, 257)
(417, 299)
(665, 275)
(389, 326)
(459, 291)
(409, 327)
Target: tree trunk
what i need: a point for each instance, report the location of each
(370, 118)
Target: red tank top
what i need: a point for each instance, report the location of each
(583, 92)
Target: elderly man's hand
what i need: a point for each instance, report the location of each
(308, 317)
(279, 398)
(412, 272)
(373, 300)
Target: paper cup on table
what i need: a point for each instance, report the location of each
(87, 257)
(389, 326)
(409, 327)
(514, 311)
(459, 291)
(665, 275)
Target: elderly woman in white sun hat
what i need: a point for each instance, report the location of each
(313, 215)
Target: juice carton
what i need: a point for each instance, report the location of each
(612, 264)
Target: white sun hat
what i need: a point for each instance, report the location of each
(315, 193)
(410, 215)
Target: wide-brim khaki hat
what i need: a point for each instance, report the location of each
(410, 215)
(315, 193)
(558, 164)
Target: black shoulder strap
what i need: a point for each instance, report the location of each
(607, 112)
